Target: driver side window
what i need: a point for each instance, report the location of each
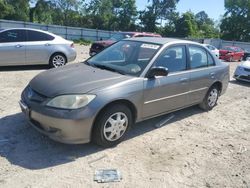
(173, 58)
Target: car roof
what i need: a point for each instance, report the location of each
(159, 41)
(31, 29)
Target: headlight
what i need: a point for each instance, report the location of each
(70, 101)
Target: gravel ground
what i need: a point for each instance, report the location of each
(195, 149)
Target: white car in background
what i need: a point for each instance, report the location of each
(213, 49)
(242, 72)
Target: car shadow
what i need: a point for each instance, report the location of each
(241, 83)
(22, 68)
(23, 146)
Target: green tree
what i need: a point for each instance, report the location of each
(186, 26)
(5, 9)
(235, 24)
(206, 26)
(112, 14)
(158, 10)
(42, 12)
(126, 14)
(64, 11)
(20, 10)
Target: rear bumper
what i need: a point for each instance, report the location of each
(71, 56)
(68, 131)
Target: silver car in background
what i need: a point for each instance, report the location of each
(131, 81)
(22, 46)
(242, 72)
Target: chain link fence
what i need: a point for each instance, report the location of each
(71, 33)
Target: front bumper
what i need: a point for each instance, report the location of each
(241, 74)
(70, 131)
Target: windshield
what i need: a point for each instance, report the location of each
(229, 49)
(125, 57)
(120, 36)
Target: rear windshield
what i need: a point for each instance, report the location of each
(120, 36)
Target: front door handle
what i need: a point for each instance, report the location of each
(183, 80)
(19, 46)
(212, 75)
(47, 44)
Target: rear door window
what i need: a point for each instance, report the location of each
(199, 57)
(38, 36)
(17, 35)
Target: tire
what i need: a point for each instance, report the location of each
(57, 60)
(109, 132)
(211, 98)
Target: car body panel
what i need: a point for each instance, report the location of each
(242, 72)
(34, 52)
(149, 97)
(231, 53)
(13, 53)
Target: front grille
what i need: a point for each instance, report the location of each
(34, 96)
(246, 69)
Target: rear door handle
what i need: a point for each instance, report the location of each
(19, 46)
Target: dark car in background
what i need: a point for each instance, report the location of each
(231, 53)
(98, 46)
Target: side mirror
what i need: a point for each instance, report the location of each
(157, 71)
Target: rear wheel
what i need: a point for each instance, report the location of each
(112, 125)
(57, 60)
(211, 98)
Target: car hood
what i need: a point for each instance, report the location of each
(246, 64)
(105, 42)
(74, 79)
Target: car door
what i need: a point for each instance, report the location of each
(12, 47)
(163, 94)
(202, 72)
(39, 47)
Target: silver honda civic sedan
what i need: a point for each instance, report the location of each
(131, 81)
(34, 47)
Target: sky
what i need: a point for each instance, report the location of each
(214, 8)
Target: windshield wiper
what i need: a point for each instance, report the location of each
(89, 64)
(109, 68)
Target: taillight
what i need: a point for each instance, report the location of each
(72, 45)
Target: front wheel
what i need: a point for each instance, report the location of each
(57, 60)
(211, 98)
(112, 125)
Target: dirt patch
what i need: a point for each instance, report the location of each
(195, 149)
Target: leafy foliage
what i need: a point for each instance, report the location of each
(122, 15)
(235, 24)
